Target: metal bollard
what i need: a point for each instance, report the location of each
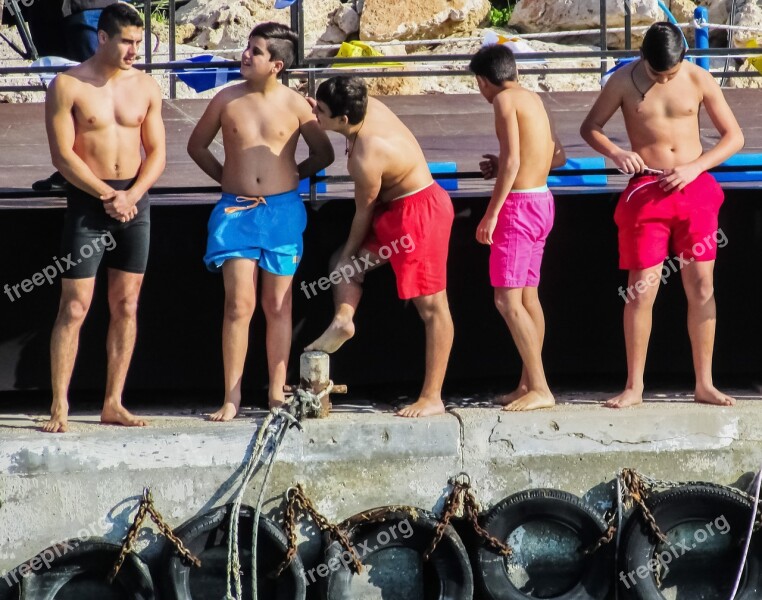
(314, 369)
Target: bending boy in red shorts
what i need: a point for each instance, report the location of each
(401, 216)
(520, 214)
(671, 202)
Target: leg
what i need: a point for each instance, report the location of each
(637, 331)
(123, 292)
(698, 282)
(525, 333)
(240, 277)
(276, 303)
(346, 298)
(76, 296)
(435, 313)
(531, 302)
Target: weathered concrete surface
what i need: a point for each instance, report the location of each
(88, 481)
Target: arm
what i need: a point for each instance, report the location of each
(202, 137)
(591, 130)
(731, 137)
(59, 123)
(154, 144)
(507, 128)
(559, 154)
(321, 150)
(363, 169)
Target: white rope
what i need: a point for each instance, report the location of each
(756, 483)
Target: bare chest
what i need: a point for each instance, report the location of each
(248, 125)
(106, 108)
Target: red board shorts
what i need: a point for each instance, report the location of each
(652, 222)
(413, 233)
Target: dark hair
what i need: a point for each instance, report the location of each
(663, 46)
(280, 40)
(116, 16)
(496, 63)
(345, 96)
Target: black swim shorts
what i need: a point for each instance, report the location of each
(90, 236)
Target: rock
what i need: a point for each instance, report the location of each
(347, 19)
(383, 21)
(748, 14)
(227, 23)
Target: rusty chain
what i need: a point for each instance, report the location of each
(462, 498)
(298, 502)
(147, 507)
(637, 490)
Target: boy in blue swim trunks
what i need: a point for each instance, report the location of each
(257, 225)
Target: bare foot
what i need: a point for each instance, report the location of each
(711, 395)
(228, 411)
(424, 407)
(532, 400)
(59, 420)
(333, 337)
(506, 399)
(627, 398)
(118, 415)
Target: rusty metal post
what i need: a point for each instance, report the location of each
(314, 370)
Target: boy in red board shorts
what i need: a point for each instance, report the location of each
(671, 201)
(401, 216)
(519, 215)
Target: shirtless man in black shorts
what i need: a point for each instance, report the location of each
(98, 115)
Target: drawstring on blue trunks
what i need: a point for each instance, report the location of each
(255, 201)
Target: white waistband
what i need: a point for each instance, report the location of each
(412, 193)
(534, 190)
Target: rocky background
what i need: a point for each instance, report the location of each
(458, 26)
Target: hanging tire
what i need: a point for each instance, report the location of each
(77, 570)
(393, 534)
(206, 536)
(724, 516)
(560, 513)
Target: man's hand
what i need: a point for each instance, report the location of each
(489, 166)
(629, 162)
(120, 205)
(485, 229)
(678, 177)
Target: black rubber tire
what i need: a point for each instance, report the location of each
(553, 506)
(84, 563)
(446, 575)
(683, 505)
(207, 535)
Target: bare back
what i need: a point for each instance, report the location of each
(107, 116)
(392, 149)
(537, 144)
(260, 134)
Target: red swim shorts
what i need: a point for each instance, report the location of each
(652, 222)
(413, 233)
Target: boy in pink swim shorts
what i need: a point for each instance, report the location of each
(519, 215)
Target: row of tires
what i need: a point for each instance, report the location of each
(551, 532)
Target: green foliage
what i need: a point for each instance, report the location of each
(499, 17)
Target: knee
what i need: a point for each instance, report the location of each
(276, 308)
(507, 307)
(125, 307)
(73, 311)
(237, 308)
(700, 291)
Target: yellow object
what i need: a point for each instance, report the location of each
(357, 49)
(754, 61)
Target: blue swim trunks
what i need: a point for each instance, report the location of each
(267, 229)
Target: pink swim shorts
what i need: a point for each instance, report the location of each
(519, 238)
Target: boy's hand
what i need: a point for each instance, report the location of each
(678, 177)
(485, 229)
(629, 162)
(489, 166)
